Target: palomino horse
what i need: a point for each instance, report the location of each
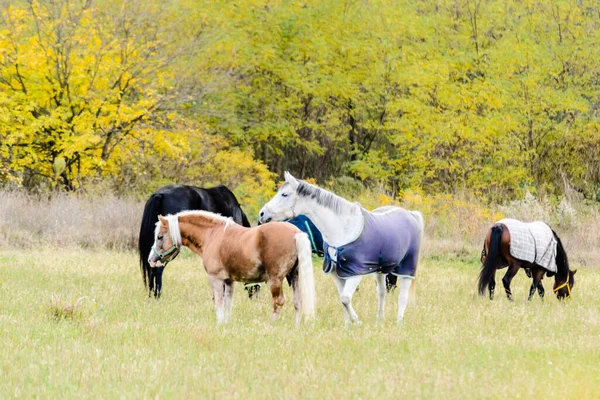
(231, 252)
(535, 246)
(172, 199)
(316, 241)
(357, 242)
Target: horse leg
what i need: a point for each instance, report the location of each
(218, 289)
(510, 274)
(158, 276)
(403, 297)
(150, 282)
(340, 283)
(295, 283)
(492, 287)
(391, 282)
(228, 301)
(349, 288)
(275, 285)
(381, 289)
(538, 275)
(532, 291)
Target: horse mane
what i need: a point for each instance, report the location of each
(173, 220)
(562, 261)
(327, 199)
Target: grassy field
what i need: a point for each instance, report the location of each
(119, 343)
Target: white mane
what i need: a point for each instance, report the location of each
(217, 218)
(175, 231)
(339, 220)
(327, 199)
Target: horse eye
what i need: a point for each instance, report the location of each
(159, 237)
(284, 195)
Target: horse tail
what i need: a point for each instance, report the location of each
(146, 239)
(488, 270)
(412, 292)
(562, 261)
(306, 278)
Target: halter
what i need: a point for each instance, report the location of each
(563, 285)
(163, 255)
(294, 215)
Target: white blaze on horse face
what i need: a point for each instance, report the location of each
(159, 241)
(281, 207)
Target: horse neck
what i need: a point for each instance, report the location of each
(196, 234)
(337, 228)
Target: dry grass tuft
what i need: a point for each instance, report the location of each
(61, 309)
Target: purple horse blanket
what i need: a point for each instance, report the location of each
(389, 243)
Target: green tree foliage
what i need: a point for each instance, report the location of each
(485, 95)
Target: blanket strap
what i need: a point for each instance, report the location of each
(310, 235)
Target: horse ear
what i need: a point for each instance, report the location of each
(290, 179)
(574, 272)
(163, 220)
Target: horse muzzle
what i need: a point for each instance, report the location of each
(155, 263)
(264, 216)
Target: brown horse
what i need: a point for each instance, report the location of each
(230, 252)
(496, 254)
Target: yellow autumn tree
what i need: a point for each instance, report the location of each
(76, 80)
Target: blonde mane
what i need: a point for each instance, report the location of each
(175, 231)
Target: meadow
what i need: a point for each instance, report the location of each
(78, 323)
(467, 111)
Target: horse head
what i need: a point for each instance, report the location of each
(165, 247)
(281, 206)
(563, 287)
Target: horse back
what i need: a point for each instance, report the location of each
(221, 200)
(250, 253)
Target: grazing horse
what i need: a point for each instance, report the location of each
(356, 242)
(172, 199)
(533, 246)
(231, 252)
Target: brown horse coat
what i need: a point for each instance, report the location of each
(231, 252)
(496, 254)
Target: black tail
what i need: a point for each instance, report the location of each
(146, 240)
(492, 260)
(562, 261)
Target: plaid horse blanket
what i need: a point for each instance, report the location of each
(533, 242)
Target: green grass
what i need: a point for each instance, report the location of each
(118, 343)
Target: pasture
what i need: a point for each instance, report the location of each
(117, 342)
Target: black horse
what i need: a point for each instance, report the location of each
(172, 199)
